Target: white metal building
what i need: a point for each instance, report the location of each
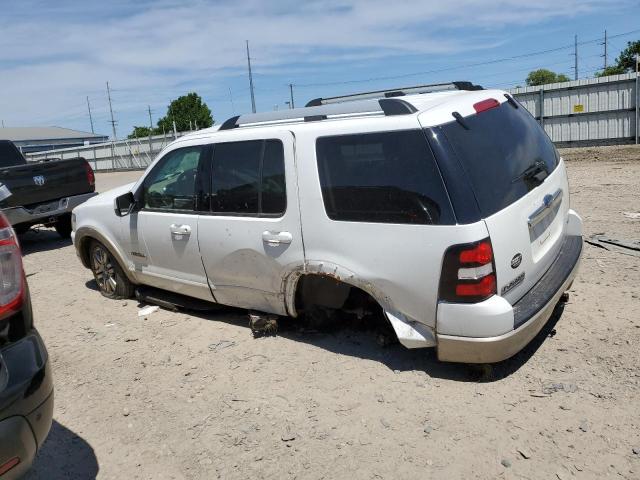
(37, 139)
(592, 111)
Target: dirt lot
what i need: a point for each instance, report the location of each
(195, 396)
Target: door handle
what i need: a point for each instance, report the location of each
(549, 202)
(276, 238)
(180, 230)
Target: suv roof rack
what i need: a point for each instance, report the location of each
(357, 108)
(396, 92)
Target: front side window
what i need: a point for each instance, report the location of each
(171, 185)
(247, 178)
(386, 177)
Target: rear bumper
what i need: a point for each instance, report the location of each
(530, 314)
(47, 210)
(26, 402)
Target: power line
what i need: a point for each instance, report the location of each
(465, 66)
(512, 82)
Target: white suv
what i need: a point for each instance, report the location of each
(446, 206)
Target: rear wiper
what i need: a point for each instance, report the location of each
(531, 171)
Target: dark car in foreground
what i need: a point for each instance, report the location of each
(33, 193)
(26, 384)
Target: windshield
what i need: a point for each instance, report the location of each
(504, 152)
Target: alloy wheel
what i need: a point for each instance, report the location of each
(104, 270)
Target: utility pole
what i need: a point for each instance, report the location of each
(90, 117)
(113, 122)
(291, 92)
(150, 130)
(173, 119)
(605, 49)
(575, 54)
(253, 98)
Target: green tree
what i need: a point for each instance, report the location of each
(543, 76)
(139, 132)
(626, 61)
(187, 111)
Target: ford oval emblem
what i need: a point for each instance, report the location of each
(516, 260)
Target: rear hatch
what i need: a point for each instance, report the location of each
(519, 183)
(35, 183)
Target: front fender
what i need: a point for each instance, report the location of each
(84, 235)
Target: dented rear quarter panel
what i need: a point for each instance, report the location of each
(397, 264)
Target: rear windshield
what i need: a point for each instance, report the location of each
(386, 177)
(10, 155)
(504, 152)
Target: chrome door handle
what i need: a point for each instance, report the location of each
(276, 238)
(180, 230)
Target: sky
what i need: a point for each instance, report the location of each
(55, 54)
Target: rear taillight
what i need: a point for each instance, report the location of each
(468, 273)
(91, 177)
(11, 274)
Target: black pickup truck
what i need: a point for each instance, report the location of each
(42, 193)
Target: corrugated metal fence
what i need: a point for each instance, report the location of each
(127, 154)
(595, 111)
(586, 112)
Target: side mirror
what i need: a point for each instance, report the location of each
(124, 204)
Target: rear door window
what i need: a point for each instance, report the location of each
(385, 177)
(504, 152)
(247, 178)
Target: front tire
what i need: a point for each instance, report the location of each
(111, 280)
(63, 226)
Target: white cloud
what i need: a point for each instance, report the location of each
(52, 54)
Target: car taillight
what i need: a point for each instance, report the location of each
(91, 177)
(468, 273)
(11, 274)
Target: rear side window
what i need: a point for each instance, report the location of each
(386, 177)
(504, 152)
(247, 178)
(10, 155)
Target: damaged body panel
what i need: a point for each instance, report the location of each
(437, 211)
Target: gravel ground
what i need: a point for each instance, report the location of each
(178, 395)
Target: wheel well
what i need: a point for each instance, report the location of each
(327, 292)
(85, 244)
